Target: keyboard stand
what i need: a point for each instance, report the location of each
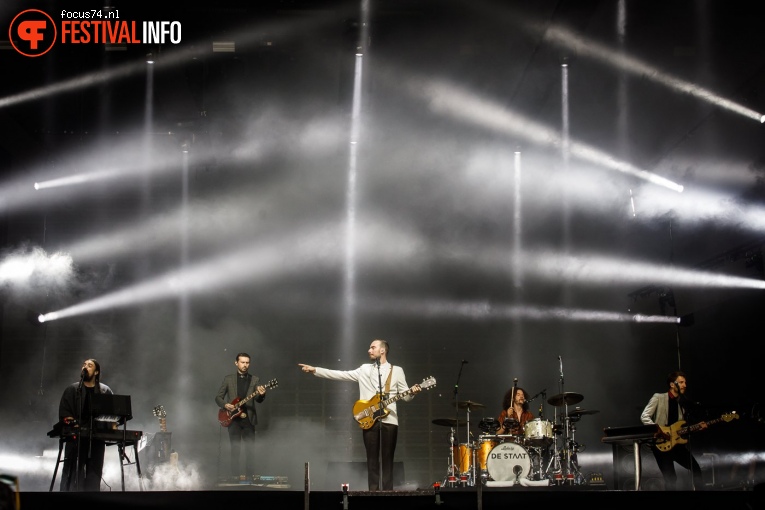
(124, 459)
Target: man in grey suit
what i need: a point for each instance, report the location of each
(241, 429)
(666, 409)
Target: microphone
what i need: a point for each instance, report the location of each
(515, 380)
(377, 361)
(83, 374)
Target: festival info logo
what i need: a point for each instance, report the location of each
(32, 33)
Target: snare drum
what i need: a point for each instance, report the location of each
(508, 462)
(463, 458)
(538, 432)
(485, 445)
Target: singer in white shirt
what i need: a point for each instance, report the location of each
(380, 439)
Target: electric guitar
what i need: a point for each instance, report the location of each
(164, 452)
(367, 412)
(225, 417)
(672, 435)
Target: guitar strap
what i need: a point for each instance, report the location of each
(387, 383)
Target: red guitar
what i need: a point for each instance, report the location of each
(225, 417)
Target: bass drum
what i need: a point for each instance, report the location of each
(508, 462)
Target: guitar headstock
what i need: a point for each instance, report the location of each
(428, 382)
(159, 411)
(730, 416)
(273, 383)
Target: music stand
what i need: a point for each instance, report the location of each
(105, 404)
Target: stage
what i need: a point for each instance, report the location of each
(442, 498)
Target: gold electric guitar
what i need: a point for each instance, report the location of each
(673, 434)
(367, 412)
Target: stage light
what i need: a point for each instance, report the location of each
(149, 58)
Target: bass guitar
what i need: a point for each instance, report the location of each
(673, 434)
(225, 417)
(367, 412)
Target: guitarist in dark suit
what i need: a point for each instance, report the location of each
(378, 443)
(241, 431)
(666, 409)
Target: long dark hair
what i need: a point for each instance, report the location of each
(98, 373)
(507, 401)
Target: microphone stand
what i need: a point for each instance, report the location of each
(78, 396)
(685, 406)
(457, 417)
(379, 427)
(566, 441)
(543, 394)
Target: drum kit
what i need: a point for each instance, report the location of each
(544, 455)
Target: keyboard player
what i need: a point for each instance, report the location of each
(86, 452)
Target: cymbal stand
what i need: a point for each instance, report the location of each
(554, 468)
(572, 448)
(469, 446)
(451, 476)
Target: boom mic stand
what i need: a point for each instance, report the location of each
(567, 426)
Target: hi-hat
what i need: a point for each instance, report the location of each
(449, 422)
(467, 404)
(582, 412)
(565, 398)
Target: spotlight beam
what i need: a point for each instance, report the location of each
(81, 178)
(251, 263)
(479, 310)
(461, 104)
(597, 270)
(567, 39)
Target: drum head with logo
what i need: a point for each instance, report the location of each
(508, 462)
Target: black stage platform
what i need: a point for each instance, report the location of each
(445, 498)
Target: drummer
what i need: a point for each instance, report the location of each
(515, 412)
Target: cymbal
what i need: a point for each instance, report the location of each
(465, 404)
(565, 398)
(582, 412)
(449, 422)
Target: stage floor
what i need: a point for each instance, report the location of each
(442, 499)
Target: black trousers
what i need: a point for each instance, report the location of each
(91, 465)
(681, 454)
(380, 444)
(241, 436)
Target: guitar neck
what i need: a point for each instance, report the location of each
(163, 424)
(396, 397)
(697, 426)
(253, 395)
